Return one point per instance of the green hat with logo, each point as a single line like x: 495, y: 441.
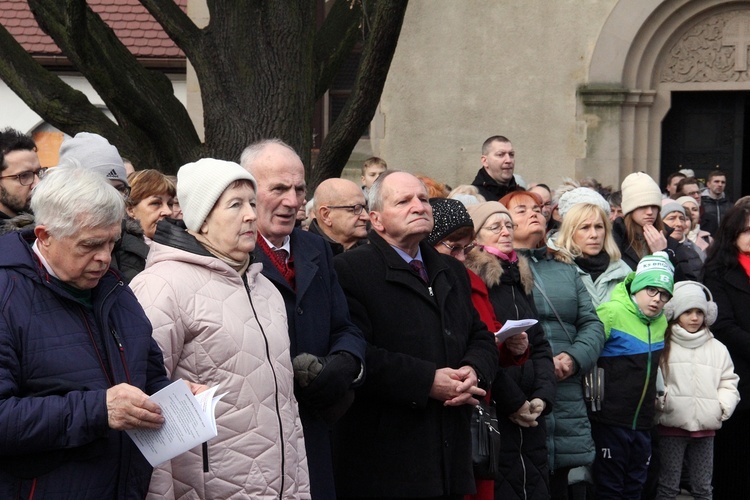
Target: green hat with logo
x: 653, y: 270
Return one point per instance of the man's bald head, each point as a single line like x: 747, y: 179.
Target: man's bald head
x: 337, y: 192
x: 339, y: 208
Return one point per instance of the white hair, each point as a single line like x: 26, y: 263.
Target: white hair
x: 251, y: 153
x: 70, y: 197
x: 375, y: 194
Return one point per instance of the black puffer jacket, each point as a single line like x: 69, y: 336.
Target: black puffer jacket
x: 524, y: 467
x: 680, y: 255
x: 131, y: 250
x: 491, y: 189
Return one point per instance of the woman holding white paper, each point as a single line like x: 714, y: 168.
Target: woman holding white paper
x: 218, y: 321
x: 527, y: 391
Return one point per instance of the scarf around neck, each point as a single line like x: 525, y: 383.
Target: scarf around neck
x: 510, y: 257
x: 745, y: 263
x: 689, y: 340
x: 239, y: 266
x: 595, y: 265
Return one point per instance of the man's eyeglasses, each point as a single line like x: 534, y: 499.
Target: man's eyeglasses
x: 122, y: 188
x: 455, y: 249
x: 653, y: 292
x: 354, y: 209
x: 497, y: 228
x: 26, y: 178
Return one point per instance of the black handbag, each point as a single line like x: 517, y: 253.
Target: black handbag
x: 485, y: 441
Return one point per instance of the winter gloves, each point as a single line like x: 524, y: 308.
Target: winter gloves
x: 324, y: 383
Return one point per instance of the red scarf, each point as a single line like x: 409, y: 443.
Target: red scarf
x: 285, y: 266
x: 745, y: 263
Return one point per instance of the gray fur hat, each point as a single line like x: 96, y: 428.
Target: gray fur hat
x: 691, y: 295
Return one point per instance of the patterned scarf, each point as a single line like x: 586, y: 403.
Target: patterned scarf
x: 284, y: 265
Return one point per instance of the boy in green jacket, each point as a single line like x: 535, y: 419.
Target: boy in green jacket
x: 634, y: 326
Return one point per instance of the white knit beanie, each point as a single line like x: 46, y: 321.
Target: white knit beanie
x: 201, y: 184
x: 94, y: 152
x: 581, y: 195
x: 687, y: 199
x: 639, y: 190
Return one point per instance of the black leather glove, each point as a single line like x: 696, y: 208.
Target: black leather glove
x: 322, y: 382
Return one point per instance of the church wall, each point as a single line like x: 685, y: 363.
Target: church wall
x: 464, y: 71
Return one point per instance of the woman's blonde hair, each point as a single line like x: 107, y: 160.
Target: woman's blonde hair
x: 573, y: 220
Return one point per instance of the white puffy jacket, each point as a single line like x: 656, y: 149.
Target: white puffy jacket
x: 215, y: 331
x: 700, y: 385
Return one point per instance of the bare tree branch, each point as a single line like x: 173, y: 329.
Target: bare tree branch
x: 377, y: 54
x: 177, y: 25
x: 130, y: 91
x: 334, y: 42
x: 50, y: 97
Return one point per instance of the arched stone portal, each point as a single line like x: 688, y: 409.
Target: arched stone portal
x: 643, y: 54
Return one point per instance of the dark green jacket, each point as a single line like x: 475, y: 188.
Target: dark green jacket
x: 568, y: 431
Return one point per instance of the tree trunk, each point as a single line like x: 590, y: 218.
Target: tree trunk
x: 261, y: 65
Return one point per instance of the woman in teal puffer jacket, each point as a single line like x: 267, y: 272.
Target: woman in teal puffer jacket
x: 573, y: 330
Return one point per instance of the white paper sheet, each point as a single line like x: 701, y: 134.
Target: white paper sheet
x: 188, y: 421
x: 514, y: 327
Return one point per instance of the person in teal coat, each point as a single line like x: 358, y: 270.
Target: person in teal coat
x: 575, y: 333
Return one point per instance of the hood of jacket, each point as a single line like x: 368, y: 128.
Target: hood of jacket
x: 490, y: 269
x: 17, y: 223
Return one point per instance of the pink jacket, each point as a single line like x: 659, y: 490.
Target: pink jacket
x: 215, y: 331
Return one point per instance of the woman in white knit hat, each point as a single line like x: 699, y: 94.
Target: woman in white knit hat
x: 219, y: 321
x: 640, y: 231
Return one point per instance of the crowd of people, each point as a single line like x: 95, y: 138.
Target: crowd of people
x: 353, y: 333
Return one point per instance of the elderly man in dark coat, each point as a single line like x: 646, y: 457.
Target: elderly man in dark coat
x: 428, y: 353
x: 300, y: 265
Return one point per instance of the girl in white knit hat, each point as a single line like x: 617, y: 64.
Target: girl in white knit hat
x: 700, y: 391
x: 640, y: 231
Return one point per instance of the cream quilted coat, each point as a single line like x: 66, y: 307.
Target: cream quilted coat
x: 211, y: 333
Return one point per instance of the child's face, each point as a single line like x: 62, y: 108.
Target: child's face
x: 651, y: 300
x: 691, y: 320
x: 371, y: 175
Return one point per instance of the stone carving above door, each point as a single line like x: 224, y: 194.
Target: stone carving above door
x: 715, y: 50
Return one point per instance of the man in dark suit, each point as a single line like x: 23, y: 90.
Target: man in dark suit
x: 322, y: 335
x: 407, y: 433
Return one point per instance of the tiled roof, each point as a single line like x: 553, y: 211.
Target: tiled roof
x: 130, y: 20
